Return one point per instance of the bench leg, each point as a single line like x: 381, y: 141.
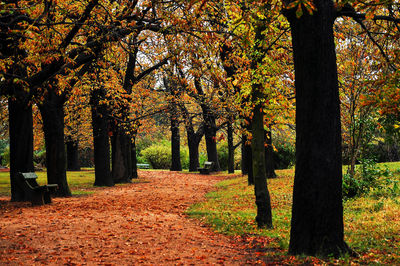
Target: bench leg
x: 37, y: 199
x: 46, y: 197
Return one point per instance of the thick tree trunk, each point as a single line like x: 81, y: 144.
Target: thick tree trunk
x: 193, y: 144
x: 52, y: 111
x: 73, y: 156
x: 101, y: 143
x: 269, y: 155
x: 121, y: 157
x: 134, y: 159
x: 210, y: 135
x: 231, y: 150
x: 21, y: 143
x: 263, y: 201
x: 317, y: 213
x: 175, y: 144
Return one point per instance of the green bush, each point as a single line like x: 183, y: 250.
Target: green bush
x: 370, y: 179
x: 5, y: 156
x: 39, y: 157
x: 158, y: 155
x: 284, y: 156
x: 185, y: 157
x: 223, y: 155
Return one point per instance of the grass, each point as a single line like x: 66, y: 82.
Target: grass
x: 80, y: 182
x: 372, y: 224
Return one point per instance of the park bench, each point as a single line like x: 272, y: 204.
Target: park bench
x: 143, y: 165
x: 207, y: 168
x: 37, y: 195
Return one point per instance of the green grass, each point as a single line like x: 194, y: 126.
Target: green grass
x: 372, y: 224
x: 80, y: 182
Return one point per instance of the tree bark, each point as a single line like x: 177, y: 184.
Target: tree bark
x: 317, y: 212
x: 210, y: 134
x: 210, y: 128
x: 193, y: 144
x: 269, y: 155
x: 175, y: 143
x: 101, y: 143
x: 231, y: 150
x: 121, y: 156
x: 263, y: 201
x: 73, y: 156
x: 134, y: 159
x: 21, y: 143
x: 247, y: 160
x: 52, y: 111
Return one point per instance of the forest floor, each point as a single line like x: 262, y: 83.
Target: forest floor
x: 130, y: 224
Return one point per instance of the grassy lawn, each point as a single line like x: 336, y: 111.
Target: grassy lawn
x: 372, y: 224
x: 80, y: 182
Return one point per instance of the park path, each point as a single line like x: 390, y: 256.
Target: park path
x: 142, y: 223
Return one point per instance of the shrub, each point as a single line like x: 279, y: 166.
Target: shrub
x: 370, y: 178
x: 223, y: 155
x: 39, y: 157
x: 158, y: 155
x: 284, y: 156
x: 185, y: 157
x: 5, y: 156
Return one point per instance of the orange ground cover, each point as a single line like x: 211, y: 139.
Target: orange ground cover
x: 123, y: 225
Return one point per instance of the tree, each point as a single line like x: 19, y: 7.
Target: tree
x: 317, y: 212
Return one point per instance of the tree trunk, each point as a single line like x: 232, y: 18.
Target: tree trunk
x: 121, y: 157
x: 193, y: 144
x: 269, y: 155
x: 21, y: 143
x: 52, y: 111
x: 72, y: 156
x: 101, y: 141
x: 317, y: 212
x: 210, y: 128
x: 263, y: 201
x: 247, y: 160
x: 175, y: 144
x: 210, y: 135
x: 231, y: 150
x: 134, y: 159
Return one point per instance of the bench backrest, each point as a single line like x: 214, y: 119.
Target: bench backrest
x: 208, y: 165
x: 27, y: 180
x: 29, y: 175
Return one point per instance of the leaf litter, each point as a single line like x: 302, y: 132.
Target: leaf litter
x: 142, y: 223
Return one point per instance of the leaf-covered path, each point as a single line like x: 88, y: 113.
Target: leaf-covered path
x: 131, y: 224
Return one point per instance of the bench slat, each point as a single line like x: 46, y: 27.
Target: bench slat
x: 29, y: 175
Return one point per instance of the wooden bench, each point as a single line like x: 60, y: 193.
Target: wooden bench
x: 37, y: 195
x: 207, y: 168
x: 143, y: 165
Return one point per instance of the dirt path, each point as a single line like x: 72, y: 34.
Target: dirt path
x: 138, y: 223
